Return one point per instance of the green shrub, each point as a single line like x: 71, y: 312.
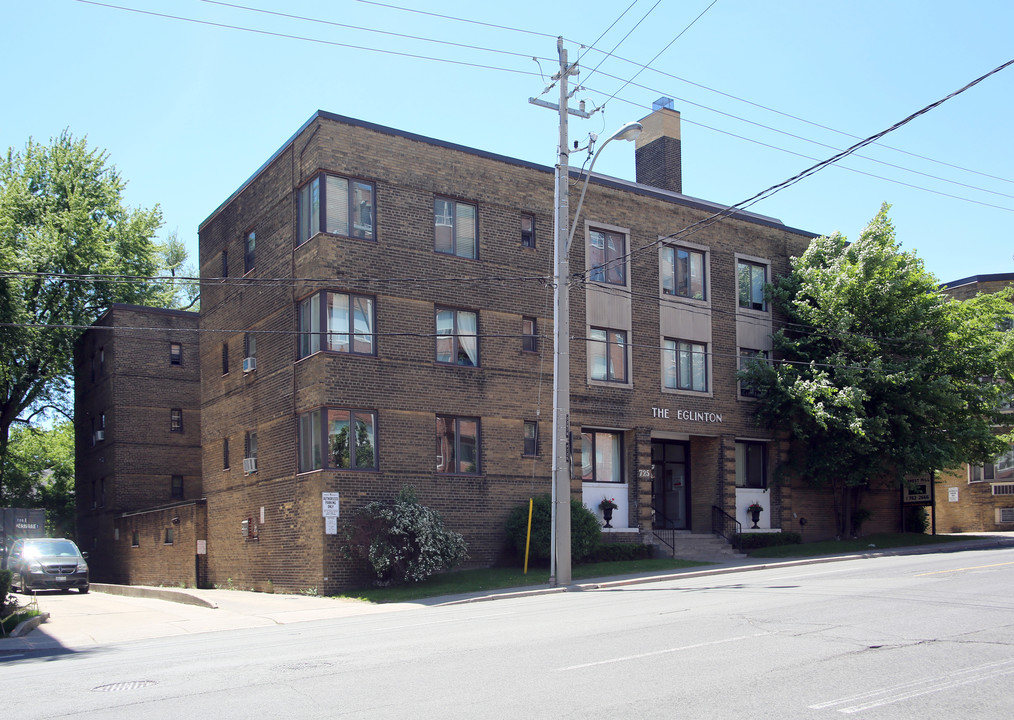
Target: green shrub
x: 755, y: 541
x: 916, y: 520
x: 402, y: 541
x: 585, y: 530
x: 620, y: 552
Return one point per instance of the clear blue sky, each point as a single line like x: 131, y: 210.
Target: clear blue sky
x: 188, y: 111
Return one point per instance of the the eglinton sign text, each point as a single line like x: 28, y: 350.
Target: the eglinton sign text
x: 688, y: 415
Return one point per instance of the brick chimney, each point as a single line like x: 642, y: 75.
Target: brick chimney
x: 657, y: 156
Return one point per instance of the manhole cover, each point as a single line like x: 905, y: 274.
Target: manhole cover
x: 132, y: 685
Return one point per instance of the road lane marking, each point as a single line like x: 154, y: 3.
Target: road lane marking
x: 655, y: 653
x: 916, y: 688
x: 974, y: 567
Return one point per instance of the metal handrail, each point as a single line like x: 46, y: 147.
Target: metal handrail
x: 665, y: 534
x: 725, y: 525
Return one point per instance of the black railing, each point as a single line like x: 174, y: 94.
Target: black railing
x: 662, y: 529
x: 725, y: 525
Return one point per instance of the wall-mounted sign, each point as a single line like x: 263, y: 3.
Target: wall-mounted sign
x: 686, y: 415
x: 952, y: 494
x: 916, y: 493
x: 646, y: 473
x: 329, y: 501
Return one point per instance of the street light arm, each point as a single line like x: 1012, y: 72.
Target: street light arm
x: 630, y: 131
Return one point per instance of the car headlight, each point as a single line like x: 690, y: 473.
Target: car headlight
x: 35, y: 566
x: 82, y: 567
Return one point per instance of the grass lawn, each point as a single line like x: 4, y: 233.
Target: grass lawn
x: 469, y: 581
x: 880, y: 541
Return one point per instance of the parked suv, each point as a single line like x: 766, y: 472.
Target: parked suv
x: 47, y: 564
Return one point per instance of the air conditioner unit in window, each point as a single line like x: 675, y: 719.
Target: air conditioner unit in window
x: 100, y: 435
x: 250, y: 465
x: 249, y: 364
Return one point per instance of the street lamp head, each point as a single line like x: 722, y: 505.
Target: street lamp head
x: 629, y: 131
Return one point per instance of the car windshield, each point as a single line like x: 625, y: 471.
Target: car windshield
x: 51, y: 548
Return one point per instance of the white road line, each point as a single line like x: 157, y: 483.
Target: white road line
x: 660, y: 652
x: 915, y: 688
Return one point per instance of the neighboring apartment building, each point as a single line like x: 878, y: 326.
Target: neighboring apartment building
x: 977, y: 498
x: 140, y: 501
x: 376, y: 313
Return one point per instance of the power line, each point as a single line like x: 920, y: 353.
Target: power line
x: 768, y: 192
x: 624, y: 38
x: 307, y: 39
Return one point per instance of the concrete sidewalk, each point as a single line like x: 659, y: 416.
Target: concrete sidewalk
x: 120, y: 613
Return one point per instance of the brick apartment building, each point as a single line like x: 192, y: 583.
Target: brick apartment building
x: 977, y: 498
x: 376, y: 312
x: 140, y: 501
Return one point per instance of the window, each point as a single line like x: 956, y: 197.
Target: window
x: 225, y: 453
x: 250, y: 452
x: 168, y: 536
x: 175, y: 353
x: 686, y: 365
x: 102, y: 492
x: 225, y: 358
x: 528, y: 231
x: 606, y: 257
x: 746, y: 357
x: 457, y: 445
x: 1002, y: 468
x: 102, y: 362
x: 176, y: 487
x: 607, y: 351
x: 529, y: 335
x: 751, y: 465
x: 225, y: 264
x: 683, y: 272
x: 1007, y: 489
x: 249, y: 245
x: 601, y: 456
x: 349, y: 437
x: 531, y: 448
x: 249, y: 345
x: 336, y: 322
x: 135, y: 539
x: 455, y: 228
x: 336, y: 205
x: 457, y: 337
x: 176, y: 420
x: 752, y: 278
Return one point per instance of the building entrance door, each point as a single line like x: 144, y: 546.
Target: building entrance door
x: 670, y: 460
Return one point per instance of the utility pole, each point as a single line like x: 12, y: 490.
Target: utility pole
x: 560, y: 562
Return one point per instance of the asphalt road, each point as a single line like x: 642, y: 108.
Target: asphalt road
x: 925, y: 636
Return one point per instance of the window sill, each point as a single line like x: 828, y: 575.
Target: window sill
x: 688, y: 393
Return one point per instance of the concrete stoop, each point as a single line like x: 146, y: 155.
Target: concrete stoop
x: 697, y: 546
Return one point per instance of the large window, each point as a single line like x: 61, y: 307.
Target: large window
x: 457, y: 337
x: 176, y: 420
x: 528, y: 231
x: 607, y: 257
x: 601, y: 456
x: 250, y: 453
x: 335, y: 205
x: 607, y: 352
x: 1001, y: 469
x: 531, y: 446
x: 455, y: 228
x: 752, y: 278
x: 176, y: 487
x: 457, y: 445
x: 337, y: 439
x: 686, y: 365
x: 751, y: 465
x: 337, y: 322
x: 746, y: 358
x: 683, y: 272
x: 175, y: 353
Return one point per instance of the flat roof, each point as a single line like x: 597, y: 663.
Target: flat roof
x: 992, y: 277
x: 606, y: 180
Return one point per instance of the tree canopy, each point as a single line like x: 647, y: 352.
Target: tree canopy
x: 64, y: 228
x: 39, y: 471
x: 878, y: 374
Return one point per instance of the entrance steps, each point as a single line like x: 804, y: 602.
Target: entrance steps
x: 694, y: 546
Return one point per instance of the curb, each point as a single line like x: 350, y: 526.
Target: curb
x: 26, y: 626
x: 143, y: 591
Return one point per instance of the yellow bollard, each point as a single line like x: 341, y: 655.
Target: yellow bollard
x: 528, y: 539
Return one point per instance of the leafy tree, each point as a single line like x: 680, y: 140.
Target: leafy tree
x: 39, y: 468
x: 63, y: 225
x: 402, y: 541
x: 880, y: 375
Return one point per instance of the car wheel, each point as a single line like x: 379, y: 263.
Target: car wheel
x: 25, y: 590
x: 83, y: 590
